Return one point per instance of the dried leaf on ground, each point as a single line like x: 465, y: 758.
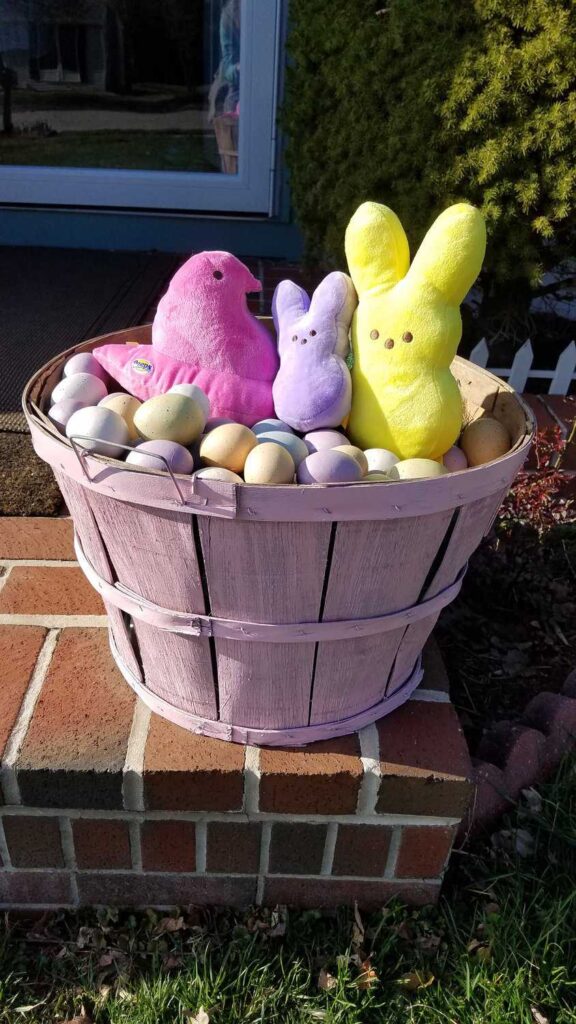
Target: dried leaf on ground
x: 414, y: 980
x: 481, y: 950
x: 326, y: 981
x: 199, y: 1018
x: 357, y: 930
x: 169, y: 924
x: 538, y: 1017
x: 367, y: 977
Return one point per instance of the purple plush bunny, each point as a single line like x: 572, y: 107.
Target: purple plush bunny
x: 313, y: 388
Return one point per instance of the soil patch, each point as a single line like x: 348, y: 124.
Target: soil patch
x: 27, y: 485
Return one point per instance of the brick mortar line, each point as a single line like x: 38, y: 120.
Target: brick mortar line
x: 236, y: 817
x: 219, y: 876
x: 329, y: 848
x: 132, y: 773
x: 69, y: 852
x: 135, y: 845
x: 4, y: 851
x: 54, y: 621
x: 22, y: 723
x: 40, y: 563
x: 252, y: 777
x: 4, y: 576
x: 201, y: 834
x: 370, y: 757
x: 264, y: 864
x: 430, y: 696
x: 393, y: 852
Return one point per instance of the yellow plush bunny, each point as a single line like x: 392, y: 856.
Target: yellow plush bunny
x: 407, y: 326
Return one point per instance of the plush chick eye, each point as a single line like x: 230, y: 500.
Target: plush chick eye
x: 218, y: 275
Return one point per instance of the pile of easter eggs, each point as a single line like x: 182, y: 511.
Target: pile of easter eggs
x: 174, y: 433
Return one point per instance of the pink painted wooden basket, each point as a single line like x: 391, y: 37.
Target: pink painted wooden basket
x: 274, y: 615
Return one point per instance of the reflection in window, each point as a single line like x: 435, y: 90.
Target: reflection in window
x: 141, y: 84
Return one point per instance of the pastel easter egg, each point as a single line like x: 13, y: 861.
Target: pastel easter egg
x: 375, y: 476
x: 84, y: 362
x: 329, y: 466
x: 483, y: 440
x: 269, y: 463
x: 176, y: 455
x: 193, y: 391
x: 454, y: 459
x: 356, y: 453
x: 95, y: 422
x: 126, y: 406
x: 216, y: 421
x: 80, y: 387
x: 228, y: 446
x: 416, y: 469
x: 291, y: 442
x: 218, y: 473
x: 264, y: 426
x: 319, y: 440
x: 169, y: 418
x: 61, y: 412
x: 380, y: 459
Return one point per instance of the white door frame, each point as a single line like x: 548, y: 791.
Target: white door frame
x: 249, y: 191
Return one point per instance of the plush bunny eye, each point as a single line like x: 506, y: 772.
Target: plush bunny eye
x: 294, y: 337
x: 304, y: 341
x: 312, y: 334
x: 407, y: 336
x: 218, y: 275
x: 389, y: 343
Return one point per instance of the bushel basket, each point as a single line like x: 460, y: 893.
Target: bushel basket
x: 274, y: 615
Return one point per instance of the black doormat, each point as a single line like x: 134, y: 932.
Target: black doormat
x: 51, y: 299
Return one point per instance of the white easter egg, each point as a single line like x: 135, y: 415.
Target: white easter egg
x: 357, y: 454
x: 218, y: 473
x: 96, y: 422
x: 269, y: 463
x: 380, y: 459
x: 84, y: 362
x: 416, y: 469
x: 291, y: 442
x: 61, y: 412
x: 126, y: 406
x: 169, y: 418
x: 227, y: 446
x: 80, y: 387
x: 263, y: 426
x: 193, y: 391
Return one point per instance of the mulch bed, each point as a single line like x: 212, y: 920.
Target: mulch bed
x: 27, y: 484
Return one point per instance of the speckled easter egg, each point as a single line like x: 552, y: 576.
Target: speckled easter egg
x: 483, y: 440
x: 228, y: 446
x: 357, y: 454
x: 216, y: 421
x: 193, y: 391
x: 269, y: 463
x: 62, y: 411
x: 320, y: 440
x: 80, y: 387
x: 291, y: 442
x: 84, y: 362
x: 264, y: 426
x: 329, y: 467
x: 454, y: 459
x: 169, y: 418
x: 126, y: 406
x: 218, y: 473
x: 380, y: 459
x: 176, y: 455
x: 416, y: 469
x: 375, y: 476
x: 96, y: 422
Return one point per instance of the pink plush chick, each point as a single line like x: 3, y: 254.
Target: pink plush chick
x: 204, y: 334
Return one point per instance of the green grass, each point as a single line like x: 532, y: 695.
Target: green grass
x: 141, y: 150
x: 499, y: 948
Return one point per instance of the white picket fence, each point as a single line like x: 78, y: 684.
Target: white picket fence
x: 521, y: 370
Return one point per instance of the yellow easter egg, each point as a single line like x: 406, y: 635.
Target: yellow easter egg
x: 218, y: 473
x: 126, y: 407
x: 269, y: 463
x: 375, y: 476
x: 228, y: 446
x: 356, y: 453
x: 169, y: 417
x: 483, y: 440
x: 416, y: 469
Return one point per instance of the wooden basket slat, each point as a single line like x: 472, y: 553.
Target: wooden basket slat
x: 264, y: 572
x: 376, y: 567
x: 178, y: 669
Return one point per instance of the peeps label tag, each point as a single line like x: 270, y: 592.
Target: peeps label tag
x: 142, y: 366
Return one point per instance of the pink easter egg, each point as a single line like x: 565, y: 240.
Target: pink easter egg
x: 176, y: 455
x: 84, y: 362
x: 328, y: 467
x: 80, y: 387
x: 455, y: 459
x: 320, y: 440
x: 61, y: 412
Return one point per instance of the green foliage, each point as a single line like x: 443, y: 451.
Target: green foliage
x: 421, y: 103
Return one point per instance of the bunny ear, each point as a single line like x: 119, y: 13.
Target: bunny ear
x: 335, y: 297
x: 289, y: 303
x: 376, y: 247
x: 450, y: 257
